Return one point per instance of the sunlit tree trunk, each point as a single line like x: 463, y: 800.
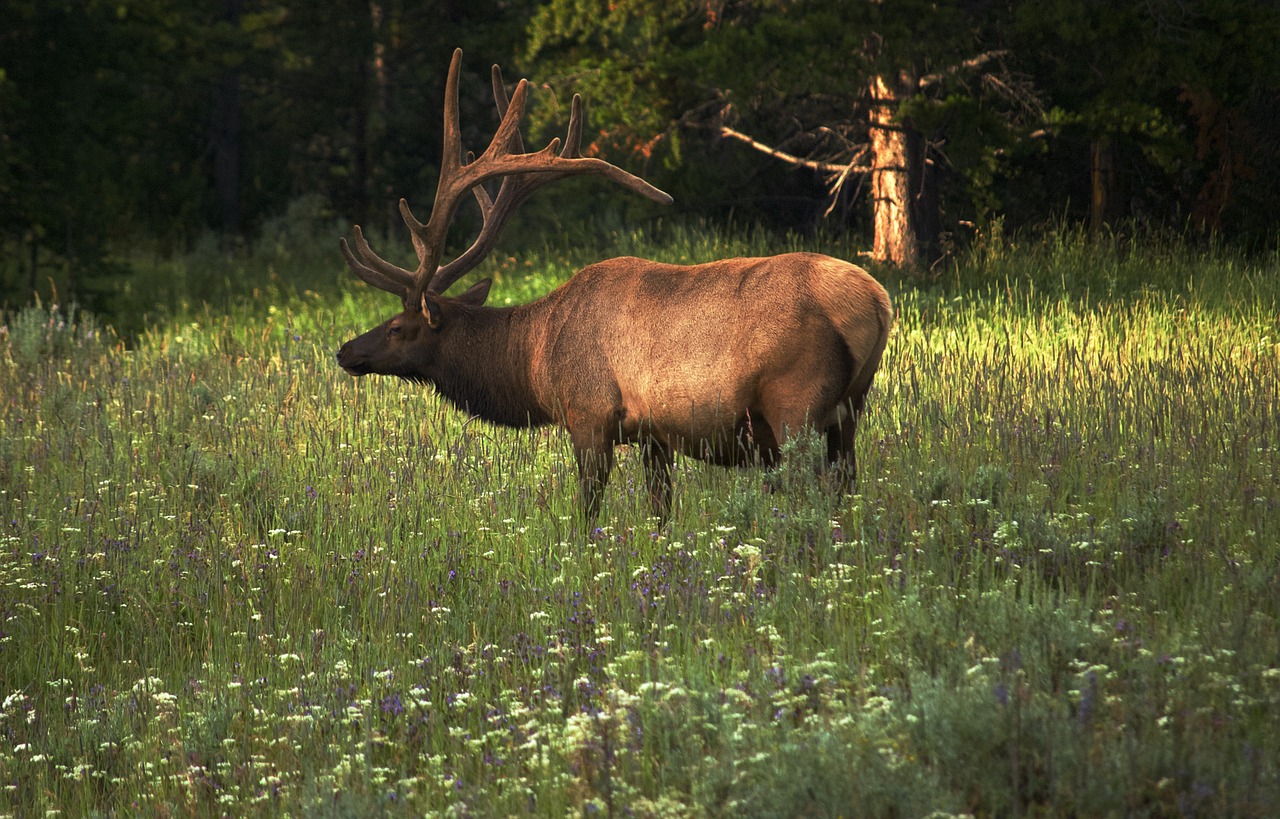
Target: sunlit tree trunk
x: 897, y: 240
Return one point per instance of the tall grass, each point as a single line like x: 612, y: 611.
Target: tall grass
x: 235, y: 581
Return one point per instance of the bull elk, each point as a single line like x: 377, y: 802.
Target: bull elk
x: 721, y: 361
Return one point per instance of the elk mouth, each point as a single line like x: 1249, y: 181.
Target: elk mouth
x: 356, y: 368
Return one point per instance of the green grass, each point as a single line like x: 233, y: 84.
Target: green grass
x: 234, y: 580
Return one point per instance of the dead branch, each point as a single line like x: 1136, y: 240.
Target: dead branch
x: 813, y: 164
x: 971, y: 64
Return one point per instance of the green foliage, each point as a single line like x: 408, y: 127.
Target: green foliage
x: 623, y: 58
x: 235, y: 580
x: 36, y: 335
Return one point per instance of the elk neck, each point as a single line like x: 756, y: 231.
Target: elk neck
x: 484, y: 367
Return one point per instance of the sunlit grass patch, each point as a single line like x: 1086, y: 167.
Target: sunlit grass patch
x: 234, y: 580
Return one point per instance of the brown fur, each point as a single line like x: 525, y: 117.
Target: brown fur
x: 720, y: 361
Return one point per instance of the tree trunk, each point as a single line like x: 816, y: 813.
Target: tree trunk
x: 896, y: 239
x: 1101, y: 181
x: 360, y: 158
x: 35, y: 263
x: 926, y: 204
x: 385, y: 42
x: 226, y: 137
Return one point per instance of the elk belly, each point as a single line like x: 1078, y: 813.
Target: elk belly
x: 746, y: 441
x: 716, y: 432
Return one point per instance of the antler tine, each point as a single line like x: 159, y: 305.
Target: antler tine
x: 373, y: 269
x: 573, y: 137
x: 418, y: 232
x: 500, y: 100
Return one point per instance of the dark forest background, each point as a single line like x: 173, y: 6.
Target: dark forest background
x: 137, y: 130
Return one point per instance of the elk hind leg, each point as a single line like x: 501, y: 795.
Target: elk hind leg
x: 841, y: 457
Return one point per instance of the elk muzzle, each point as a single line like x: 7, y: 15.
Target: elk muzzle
x: 350, y: 359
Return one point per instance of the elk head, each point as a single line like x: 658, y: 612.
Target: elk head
x: 405, y: 345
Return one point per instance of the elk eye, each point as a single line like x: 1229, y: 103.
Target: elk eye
x: 394, y: 330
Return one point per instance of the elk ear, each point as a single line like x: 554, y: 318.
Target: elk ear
x: 431, y: 311
x: 476, y: 293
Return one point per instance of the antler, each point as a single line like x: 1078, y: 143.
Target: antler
x: 522, y: 174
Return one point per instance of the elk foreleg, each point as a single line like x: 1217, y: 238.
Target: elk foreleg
x: 657, y: 474
x: 595, y: 462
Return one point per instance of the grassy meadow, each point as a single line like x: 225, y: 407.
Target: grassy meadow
x: 235, y: 581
